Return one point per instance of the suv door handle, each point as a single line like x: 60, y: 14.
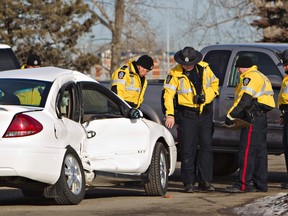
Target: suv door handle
x: 230, y: 98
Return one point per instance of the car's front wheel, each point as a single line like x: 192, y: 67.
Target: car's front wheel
x: 157, y: 183
x: 71, y: 184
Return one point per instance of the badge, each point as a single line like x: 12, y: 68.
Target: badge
x: 121, y: 74
x: 246, y: 81
x: 169, y: 77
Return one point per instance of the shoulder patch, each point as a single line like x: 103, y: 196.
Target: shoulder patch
x: 121, y: 74
x: 169, y: 77
x: 246, y: 81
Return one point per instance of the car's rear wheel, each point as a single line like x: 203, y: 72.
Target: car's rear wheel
x: 157, y: 183
x: 71, y: 184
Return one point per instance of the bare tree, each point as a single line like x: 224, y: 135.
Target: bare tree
x: 219, y: 21
x: 129, y: 27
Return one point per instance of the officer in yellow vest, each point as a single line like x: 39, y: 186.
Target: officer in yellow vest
x: 129, y: 81
x: 191, y: 86
x: 31, y: 96
x: 283, y: 107
x: 253, y: 99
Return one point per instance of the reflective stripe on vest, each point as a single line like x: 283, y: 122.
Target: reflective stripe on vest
x: 285, y: 90
x: 118, y: 81
x: 182, y: 89
x: 262, y: 92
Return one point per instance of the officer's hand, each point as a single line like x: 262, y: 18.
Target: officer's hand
x: 228, y: 121
x: 170, y: 121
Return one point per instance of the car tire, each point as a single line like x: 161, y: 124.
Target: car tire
x: 157, y: 183
x: 71, y: 184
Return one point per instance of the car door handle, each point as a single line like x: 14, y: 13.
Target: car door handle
x: 91, y: 134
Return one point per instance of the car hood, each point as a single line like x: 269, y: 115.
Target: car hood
x: 7, y: 112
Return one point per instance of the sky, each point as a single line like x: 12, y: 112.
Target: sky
x: 162, y: 19
x: 171, y: 29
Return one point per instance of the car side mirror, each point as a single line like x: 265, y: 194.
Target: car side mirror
x: 276, y: 81
x: 135, y: 113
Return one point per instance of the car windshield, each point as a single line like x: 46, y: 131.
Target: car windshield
x: 24, y: 92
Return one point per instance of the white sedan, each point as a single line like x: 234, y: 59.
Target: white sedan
x: 61, y: 131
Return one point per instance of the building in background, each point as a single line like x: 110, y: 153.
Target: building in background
x: 160, y: 70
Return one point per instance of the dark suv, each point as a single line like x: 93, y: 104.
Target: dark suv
x: 222, y: 58
x: 8, y: 60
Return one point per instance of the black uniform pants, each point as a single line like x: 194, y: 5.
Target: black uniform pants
x: 285, y: 139
x: 253, y: 168
x: 196, y: 130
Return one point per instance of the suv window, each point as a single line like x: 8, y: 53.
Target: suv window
x: 8, y: 60
x: 262, y: 60
x: 218, y: 61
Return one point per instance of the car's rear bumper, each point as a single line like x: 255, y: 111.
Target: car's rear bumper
x: 41, y: 164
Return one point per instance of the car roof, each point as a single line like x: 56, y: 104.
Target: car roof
x: 276, y: 47
x: 43, y: 73
x: 4, y: 46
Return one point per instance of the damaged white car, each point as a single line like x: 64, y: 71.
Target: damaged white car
x: 61, y: 131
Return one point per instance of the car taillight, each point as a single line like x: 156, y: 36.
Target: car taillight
x: 23, y: 125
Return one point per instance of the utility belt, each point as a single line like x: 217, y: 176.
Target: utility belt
x: 258, y: 113
x: 190, y: 112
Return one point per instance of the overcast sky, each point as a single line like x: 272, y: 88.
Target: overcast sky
x: 170, y: 28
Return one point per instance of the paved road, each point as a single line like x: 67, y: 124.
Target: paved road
x: 132, y: 200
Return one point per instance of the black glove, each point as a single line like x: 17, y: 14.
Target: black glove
x: 199, y: 99
x: 228, y: 121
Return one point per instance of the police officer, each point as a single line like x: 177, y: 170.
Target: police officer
x: 191, y: 86
x: 283, y: 107
x: 253, y: 99
x: 33, y: 61
x: 129, y: 81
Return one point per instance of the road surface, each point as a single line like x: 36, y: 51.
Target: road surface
x: 131, y: 200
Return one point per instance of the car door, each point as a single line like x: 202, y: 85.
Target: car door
x: 117, y: 143
x: 68, y: 110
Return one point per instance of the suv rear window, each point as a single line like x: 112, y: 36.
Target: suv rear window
x: 8, y: 60
x: 218, y: 61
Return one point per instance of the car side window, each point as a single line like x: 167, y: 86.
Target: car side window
x: 218, y: 61
x: 98, y: 105
x: 67, y: 103
x: 263, y: 61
